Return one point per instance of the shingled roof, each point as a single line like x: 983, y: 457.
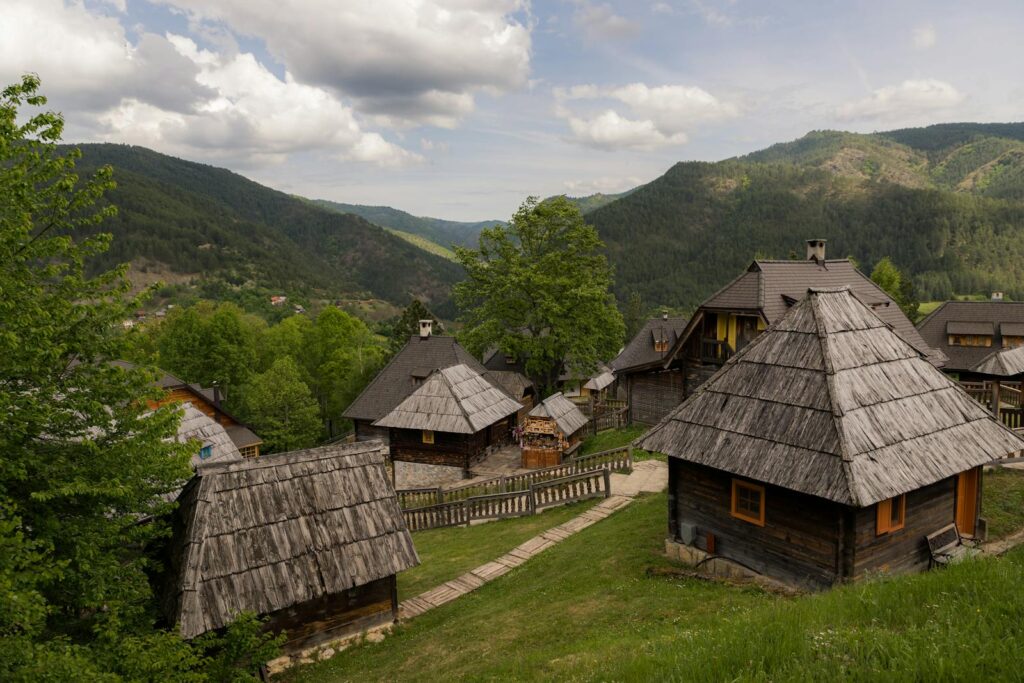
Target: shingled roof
x: 417, y: 359
x: 564, y: 412
x: 267, y: 533
x: 639, y: 351
x: 1002, y: 363
x: 996, y: 318
x: 197, y: 425
x: 455, y: 399
x: 771, y: 287
x: 830, y: 402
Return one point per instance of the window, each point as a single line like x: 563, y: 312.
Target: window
x: 748, y: 502
x: 1010, y: 342
x: 249, y: 451
x: 890, y: 515
x: 205, y: 452
x: 428, y: 436
x: 970, y: 340
x: 661, y: 345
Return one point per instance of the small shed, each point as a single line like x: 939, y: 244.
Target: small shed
x: 451, y: 420
x: 552, y: 429
x: 827, y: 449
x: 311, y: 539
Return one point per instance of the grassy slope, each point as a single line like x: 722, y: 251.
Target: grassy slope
x: 1003, y: 501
x: 590, y: 608
x: 447, y: 553
x: 424, y: 244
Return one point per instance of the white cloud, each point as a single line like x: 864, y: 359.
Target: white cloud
x: 411, y: 62
x: 661, y: 115
x: 909, y: 98
x: 165, y: 92
x: 600, y: 22
x: 924, y: 37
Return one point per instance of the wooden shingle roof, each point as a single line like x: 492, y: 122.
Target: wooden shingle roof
x: 829, y: 401
x: 1006, y: 317
x: 455, y: 399
x: 564, y: 412
x: 400, y: 377
x: 197, y: 425
x: 267, y: 533
x: 1002, y: 363
x: 639, y: 351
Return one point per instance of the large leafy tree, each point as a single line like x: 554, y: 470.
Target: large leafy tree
x: 897, y: 285
x: 83, y: 460
x: 540, y: 289
x: 280, y: 407
x: 210, y: 344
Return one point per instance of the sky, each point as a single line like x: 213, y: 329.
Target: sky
x: 460, y: 109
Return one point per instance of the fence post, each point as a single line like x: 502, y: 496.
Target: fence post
x: 440, y: 495
x: 607, y: 482
x: 531, y: 501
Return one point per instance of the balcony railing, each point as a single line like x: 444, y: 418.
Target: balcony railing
x: 714, y: 350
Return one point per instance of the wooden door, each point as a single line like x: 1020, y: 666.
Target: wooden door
x: 967, y: 501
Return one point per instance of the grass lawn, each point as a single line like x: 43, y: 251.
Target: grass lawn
x: 591, y: 608
x: 448, y: 553
x: 1002, y: 501
x: 613, y: 438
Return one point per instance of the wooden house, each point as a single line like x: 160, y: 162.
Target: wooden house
x: 736, y: 314
x: 826, y: 449
x: 969, y: 331
x: 215, y: 445
x: 311, y: 539
x: 552, y: 429
x: 408, y: 370
x: 208, y: 402
x: 651, y: 389
x: 452, y: 420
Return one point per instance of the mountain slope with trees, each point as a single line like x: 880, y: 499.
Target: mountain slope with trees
x: 439, y: 231
x: 229, y: 233
x: 928, y: 199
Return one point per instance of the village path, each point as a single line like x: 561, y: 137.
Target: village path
x: 648, y: 476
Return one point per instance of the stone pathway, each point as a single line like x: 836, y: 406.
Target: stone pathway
x: 647, y: 476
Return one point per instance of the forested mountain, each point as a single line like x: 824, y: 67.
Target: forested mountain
x: 230, y: 235
x: 439, y: 231
x: 594, y: 201
x: 946, y: 203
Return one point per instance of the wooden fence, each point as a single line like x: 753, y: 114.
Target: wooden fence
x: 611, y: 460
x: 1011, y: 413
x: 575, y: 487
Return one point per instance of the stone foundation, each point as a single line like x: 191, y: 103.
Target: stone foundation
x: 414, y: 475
x: 719, y: 567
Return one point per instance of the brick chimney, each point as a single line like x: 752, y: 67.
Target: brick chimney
x: 426, y: 327
x: 816, y: 250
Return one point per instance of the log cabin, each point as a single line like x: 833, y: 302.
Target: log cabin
x: 969, y: 331
x: 451, y: 421
x: 312, y: 540
x: 553, y: 429
x: 825, y: 450
x: 422, y: 354
x: 208, y: 401
x: 651, y: 389
x: 735, y: 315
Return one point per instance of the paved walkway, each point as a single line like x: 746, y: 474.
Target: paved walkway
x: 647, y: 476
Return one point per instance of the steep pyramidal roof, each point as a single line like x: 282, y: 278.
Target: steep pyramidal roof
x: 266, y: 533
x: 564, y: 412
x: 456, y: 399
x: 829, y: 401
x: 1002, y: 363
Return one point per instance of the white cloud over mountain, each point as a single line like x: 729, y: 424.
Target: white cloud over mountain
x: 896, y: 102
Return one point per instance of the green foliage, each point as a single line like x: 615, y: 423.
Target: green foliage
x: 634, y: 316
x: 887, y: 276
x: 539, y: 289
x: 440, y: 232
x: 84, y: 459
x: 408, y: 325
x: 279, y: 406
x: 424, y: 244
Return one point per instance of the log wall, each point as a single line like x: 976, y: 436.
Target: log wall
x: 336, y: 616
x: 365, y: 431
x: 452, y: 450
x: 653, y: 394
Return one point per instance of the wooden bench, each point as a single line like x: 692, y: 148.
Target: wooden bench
x: 947, y: 547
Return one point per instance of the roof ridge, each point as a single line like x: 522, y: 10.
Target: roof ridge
x: 830, y: 385
x: 451, y: 388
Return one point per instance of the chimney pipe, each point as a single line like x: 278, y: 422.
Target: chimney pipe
x: 426, y: 327
x: 816, y: 250
x: 664, y: 315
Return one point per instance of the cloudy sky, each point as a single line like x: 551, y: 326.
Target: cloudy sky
x: 461, y: 108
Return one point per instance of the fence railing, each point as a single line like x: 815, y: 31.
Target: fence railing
x: 576, y: 487
x: 611, y: 419
x: 1010, y: 409
x: 613, y: 459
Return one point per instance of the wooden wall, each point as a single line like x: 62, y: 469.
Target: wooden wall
x: 453, y: 450
x: 927, y: 510
x: 365, y: 431
x: 799, y: 542
x: 336, y: 616
x: 651, y: 395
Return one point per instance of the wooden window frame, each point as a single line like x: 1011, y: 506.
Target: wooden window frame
x: 739, y: 514
x: 883, y: 515
x: 427, y: 435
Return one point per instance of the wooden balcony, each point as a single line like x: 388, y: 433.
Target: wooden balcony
x: 714, y: 351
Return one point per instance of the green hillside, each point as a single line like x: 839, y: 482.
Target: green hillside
x: 441, y: 232
x: 424, y: 244
x: 224, y: 235
x: 591, y: 202
x: 946, y: 203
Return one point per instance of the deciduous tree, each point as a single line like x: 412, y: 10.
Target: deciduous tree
x: 280, y: 407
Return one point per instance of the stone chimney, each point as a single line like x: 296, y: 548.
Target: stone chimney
x: 816, y: 250
x: 664, y: 315
x: 426, y: 327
